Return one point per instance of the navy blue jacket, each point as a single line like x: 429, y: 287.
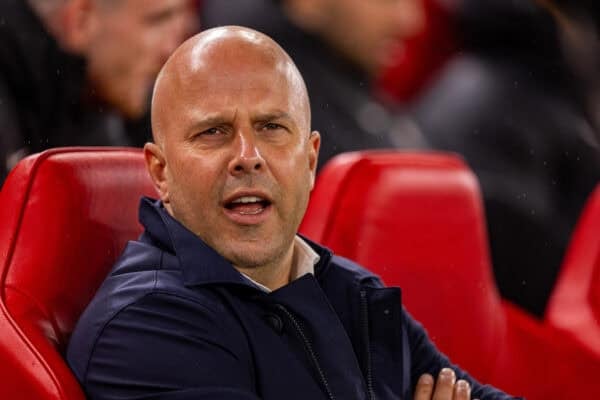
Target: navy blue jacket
x: 174, y: 320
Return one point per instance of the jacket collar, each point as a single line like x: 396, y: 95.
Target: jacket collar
x: 200, y: 263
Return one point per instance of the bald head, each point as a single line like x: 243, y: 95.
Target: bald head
x: 225, y: 57
x: 231, y: 120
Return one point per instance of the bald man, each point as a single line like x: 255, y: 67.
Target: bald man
x: 220, y: 298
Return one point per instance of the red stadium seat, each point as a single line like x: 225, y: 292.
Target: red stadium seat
x: 422, y: 212
x: 66, y: 215
x: 574, y: 306
x: 417, y: 221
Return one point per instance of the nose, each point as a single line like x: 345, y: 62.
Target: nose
x: 246, y: 158
x: 168, y: 43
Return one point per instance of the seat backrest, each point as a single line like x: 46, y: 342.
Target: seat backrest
x: 65, y: 215
x: 574, y: 305
x: 416, y: 219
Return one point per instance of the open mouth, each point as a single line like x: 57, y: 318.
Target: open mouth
x: 248, y: 205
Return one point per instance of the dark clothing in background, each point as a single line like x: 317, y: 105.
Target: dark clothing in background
x: 512, y: 107
x: 175, y: 320
x: 43, y: 93
x: 343, y: 108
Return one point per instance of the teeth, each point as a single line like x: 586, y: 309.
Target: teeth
x: 252, y: 212
x: 247, y: 199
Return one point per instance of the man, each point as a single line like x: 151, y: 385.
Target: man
x: 340, y: 47
x: 520, y: 104
x: 72, y: 72
x: 220, y: 299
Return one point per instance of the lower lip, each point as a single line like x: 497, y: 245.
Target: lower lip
x: 249, y: 219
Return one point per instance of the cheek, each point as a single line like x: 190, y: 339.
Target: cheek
x: 291, y: 163
x: 189, y: 196
x: 194, y: 176
x: 115, y: 60
x: 298, y: 175
x: 127, y: 47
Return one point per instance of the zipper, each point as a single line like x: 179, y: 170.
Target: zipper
x: 309, y: 350
x: 367, y: 346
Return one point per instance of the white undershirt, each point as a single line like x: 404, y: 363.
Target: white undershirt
x: 303, y: 262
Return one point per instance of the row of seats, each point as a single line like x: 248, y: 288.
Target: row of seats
x: 415, y: 219
x: 575, y: 303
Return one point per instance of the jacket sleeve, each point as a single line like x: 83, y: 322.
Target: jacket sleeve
x: 426, y: 358
x: 535, y: 166
x: 171, y: 348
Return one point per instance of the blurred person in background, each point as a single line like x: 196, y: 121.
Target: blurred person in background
x: 420, y: 58
x: 340, y: 47
x: 80, y: 72
x: 579, y: 32
x: 520, y: 104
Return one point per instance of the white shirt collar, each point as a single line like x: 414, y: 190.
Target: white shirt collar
x: 303, y: 262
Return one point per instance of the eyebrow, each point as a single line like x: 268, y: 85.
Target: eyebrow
x: 164, y: 14
x: 274, y: 115
x: 219, y: 119
x: 211, y: 121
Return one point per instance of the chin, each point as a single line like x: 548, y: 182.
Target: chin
x: 129, y: 102
x: 252, y: 256
x: 248, y: 260
x: 252, y: 253
x: 133, y: 103
x: 134, y: 111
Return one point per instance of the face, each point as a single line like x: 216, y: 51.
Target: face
x: 368, y: 32
x: 235, y: 159
x: 131, y: 41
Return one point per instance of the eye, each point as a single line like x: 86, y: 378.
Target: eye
x: 270, y: 126
x: 214, y: 131
x: 159, y: 17
x: 211, y: 132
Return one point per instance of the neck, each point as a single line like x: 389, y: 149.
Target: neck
x: 273, y: 275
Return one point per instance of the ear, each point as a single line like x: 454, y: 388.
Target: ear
x: 314, y: 143
x: 157, y: 168
x: 79, y: 21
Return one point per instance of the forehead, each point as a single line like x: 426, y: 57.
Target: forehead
x: 223, y: 79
